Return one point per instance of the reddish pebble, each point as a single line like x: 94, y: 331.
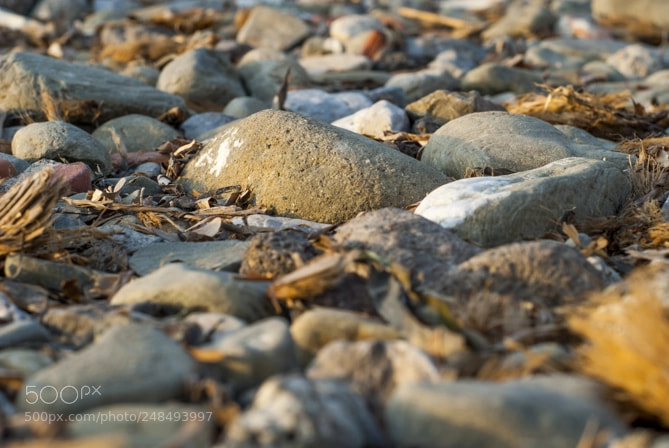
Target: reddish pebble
x: 76, y: 175
x: 7, y: 169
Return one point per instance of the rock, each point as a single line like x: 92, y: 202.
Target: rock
x: 279, y: 223
x: 204, y: 78
x: 243, y: 106
x: 214, y: 255
x: 296, y: 164
x: 479, y: 208
x: 199, y: 124
x: 19, y: 165
x: 62, y: 13
x: 375, y: 120
x: 273, y: 254
x: 459, y: 57
x: 442, y: 106
x: 174, y: 424
x: 374, y: 368
x: 77, y: 176
x: 291, y: 410
x: 638, y: 61
x: 319, y: 46
x: 9, y: 312
x: 254, y: 353
x: 583, y: 49
x: 129, y: 363
x: 393, y: 94
x: 502, y: 140
x: 7, y: 168
x: 22, y: 7
x: 423, y: 82
x: 491, y: 78
x: 481, y: 414
x: 215, y: 326
x: 270, y: 28
x: 26, y: 78
x: 57, y: 140
x: 264, y: 70
x: 326, y: 107
x: 416, y: 243
x: 316, y: 328
x: 23, y: 362
x: 318, y: 65
x: 523, y: 19
x: 132, y: 186
x: 646, y: 18
x: 583, y: 137
x: 144, y: 73
x: 129, y: 240
x: 23, y: 333
x: 541, y: 56
x: 347, y: 27
x: 149, y: 169
x: 136, y: 133
x: 598, y: 70
x: 177, y: 284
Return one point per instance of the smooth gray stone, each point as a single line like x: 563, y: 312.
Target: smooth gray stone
x: 22, y: 332
x: 136, y: 132
x: 214, y: 255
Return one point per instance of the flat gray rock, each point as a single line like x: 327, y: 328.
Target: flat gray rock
x: 503, y: 140
x: 423, y: 82
x: 57, y: 140
x: 129, y: 363
x: 214, y: 255
x: 376, y: 120
x: 26, y: 77
x: 522, y: 19
x: 308, y: 169
x: 177, y: 284
x: 495, y: 210
x: 477, y: 414
x: 136, y: 132
x: 23, y: 332
x: 270, y: 28
x: 491, y: 78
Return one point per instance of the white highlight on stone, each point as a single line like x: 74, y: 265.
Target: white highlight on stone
x: 451, y: 204
x: 215, y: 161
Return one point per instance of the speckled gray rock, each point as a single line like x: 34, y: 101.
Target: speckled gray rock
x: 297, y: 165
x: 503, y: 140
x: 200, y: 124
x: 204, y: 78
x: 215, y: 255
x: 496, y: 210
x: 128, y: 363
x: 326, y: 107
x: 136, y: 132
x: 270, y: 28
x: 57, y: 140
x: 290, y: 411
x: 26, y: 77
x: 442, y: 106
x: 423, y: 82
x: 243, y: 106
x: 254, y: 353
x: 375, y: 120
x: 469, y: 414
x: 180, y: 285
x: 491, y: 78
x: 264, y: 70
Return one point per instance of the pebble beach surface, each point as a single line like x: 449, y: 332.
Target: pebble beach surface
x: 303, y: 223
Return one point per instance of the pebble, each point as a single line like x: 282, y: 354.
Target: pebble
x: 135, y: 133
x: 204, y: 78
x: 637, y: 61
x: 326, y: 107
x: 270, y: 28
x: 23, y: 362
x: 423, y: 82
x: 7, y: 168
x: 133, y: 362
x: 442, y: 106
x: 77, y: 176
x: 375, y: 120
x: 318, y: 65
x: 297, y: 163
x: 478, y: 208
x: 183, y: 286
x: 57, y: 140
x: 199, y: 124
x: 491, y: 78
x: 19, y: 165
x: 345, y: 28
x: 645, y: 19
x: 523, y: 19
x: 243, y: 106
x: 277, y: 253
x: 23, y: 333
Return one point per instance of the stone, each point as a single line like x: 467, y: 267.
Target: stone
x: 484, y: 414
x: 583, y: 137
x: 62, y: 13
x: 128, y: 239
x: 374, y: 368
x: 459, y: 57
x: 23, y: 362
x: 291, y: 410
x: 146, y: 74
x: 637, y: 61
x: 263, y: 71
x: 318, y: 65
x: 146, y: 425
x: 132, y: 187
x: 316, y: 328
x: 326, y: 107
x: 180, y: 285
x: 273, y: 254
x: 204, y: 78
x: 645, y: 18
x: 297, y: 164
x: 598, y: 70
x: 149, y: 169
x: 243, y: 106
x: 495, y: 210
x: 393, y: 94
x: 376, y: 120
x: 422, y: 246
x: 523, y: 19
x: 136, y: 133
x: 57, y: 140
x: 347, y: 27
x: 252, y: 354
x: 23, y: 333
x: 541, y: 56
x: 134, y: 362
x: 19, y: 165
x: 442, y: 106
x: 214, y: 255
x: 270, y: 28
x: 583, y: 49
x: 77, y: 176
x: 199, y: 124
x: 423, y: 82
x: 503, y: 140
x: 491, y: 78
x: 26, y: 78
x: 279, y: 223
x: 9, y: 312
x: 7, y: 168
x: 22, y: 7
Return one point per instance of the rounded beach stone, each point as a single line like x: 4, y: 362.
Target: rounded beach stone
x: 136, y: 132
